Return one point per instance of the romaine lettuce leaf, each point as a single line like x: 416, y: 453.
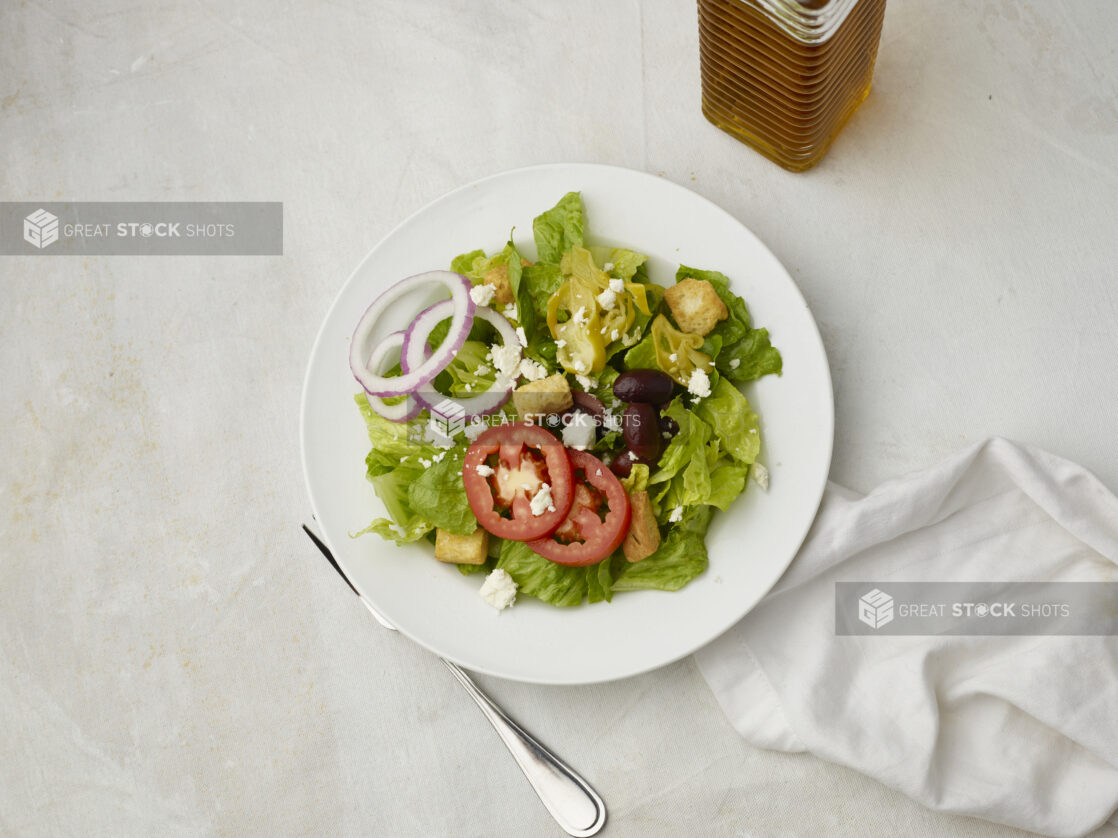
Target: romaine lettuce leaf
x: 750, y: 348
x: 439, y: 496
x: 555, y: 583
x: 559, y: 229
x: 681, y: 557
x: 733, y: 421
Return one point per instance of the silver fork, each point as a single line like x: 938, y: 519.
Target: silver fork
x: 576, y: 807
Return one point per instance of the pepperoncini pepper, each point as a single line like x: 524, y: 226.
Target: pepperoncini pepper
x: 677, y: 353
x: 586, y: 315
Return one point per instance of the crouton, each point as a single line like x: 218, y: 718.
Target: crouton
x: 644, y: 536
x: 498, y: 278
x: 462, y: 549
x: 695, y: 306
x: 547, y: 395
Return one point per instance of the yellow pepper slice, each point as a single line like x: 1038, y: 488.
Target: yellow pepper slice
x: 677, y: 353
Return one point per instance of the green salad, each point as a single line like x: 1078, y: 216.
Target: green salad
x: 563, y: 425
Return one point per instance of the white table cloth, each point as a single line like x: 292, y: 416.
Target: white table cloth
x: 177, y: 661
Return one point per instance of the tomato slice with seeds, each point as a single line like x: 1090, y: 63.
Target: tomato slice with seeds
x: 522, y: 457
x: 586, y: 537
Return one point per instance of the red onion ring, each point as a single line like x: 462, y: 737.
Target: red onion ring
x: 403, y: 411
x: 461, y: 311
x: 415, y: 342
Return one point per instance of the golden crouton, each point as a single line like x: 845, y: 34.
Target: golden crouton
x: 644, y: 536
x: 498, y: 278
x: 547, y: 395
x: 695, y: 305
x: 462, y: 549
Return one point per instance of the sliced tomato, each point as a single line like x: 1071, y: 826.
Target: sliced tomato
x: 523, y: 458
x: 585, y: 537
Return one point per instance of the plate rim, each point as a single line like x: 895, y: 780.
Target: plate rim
x: 318, y: 345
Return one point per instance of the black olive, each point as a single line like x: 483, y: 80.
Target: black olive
x: 650, y: 386
x: 640, y: 428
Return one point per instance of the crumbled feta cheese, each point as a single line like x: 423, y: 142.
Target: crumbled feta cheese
x: 607, y: 299
x: 425, y: 462
x: 542, y: 501
x: 607, y: 267
x: 483, y: 470
x: 579, y: 433
x: 673, y: 357
x: 753, y: 430
x: 532, y: 370
x: 760, y: 476
x: 523, y: 338
x: 510, y: 311
x: 499, y: 589
x: 468, y: 387
x: 482, y: 369
x: 614, y: 335
x: 698, y: 384
x: 438, y: 458
x: 506, y: 359
x: 617, y: 285
x: 482, y: 295
x: 579, y: 317
x: 579, y: 365
x: 735, y: 363
x: 676, y: 516
x: 560, y: 343
x: 586, y: 381
x: 474, y: 430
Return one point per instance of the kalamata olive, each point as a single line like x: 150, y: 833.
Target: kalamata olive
x: 640, y: 428
x: 668, y: 427
x: 589, y: 404
x: 622, y: 464
x: 651, y: 386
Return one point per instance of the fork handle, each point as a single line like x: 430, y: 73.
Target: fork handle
x: 571, y: 801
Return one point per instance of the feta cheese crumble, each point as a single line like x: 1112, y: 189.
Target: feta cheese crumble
x: 673, y: 357
x: 523, y: 338
x: 607, y: 267
x: 579, y: 317
x: 579, y: 432
x: 614, y: 335
x: 510, y: 311
x: 560, y: 343
x: 617, y: 285
x: 474, y: 430
x: 542, y: 501
x: 506, y: 359
x: 699, y: 384
x: 735, y: 363
x: 499, y: 589
x: 482, y: 295
x: 760, y: 476
x: 676, y: 516
x: 586, y: 382
x: 607, y: 299
x: 579, y: 365
x: 483, y: 470
x: 532, y: 370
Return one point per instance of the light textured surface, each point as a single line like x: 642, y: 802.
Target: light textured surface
x: 174, y: 657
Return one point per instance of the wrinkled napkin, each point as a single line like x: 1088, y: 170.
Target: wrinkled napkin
x: 1018, y: 730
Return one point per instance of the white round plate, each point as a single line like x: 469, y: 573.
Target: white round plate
x: 750, y: 544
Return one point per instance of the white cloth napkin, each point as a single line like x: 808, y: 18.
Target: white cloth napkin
x: 1018, y: 730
